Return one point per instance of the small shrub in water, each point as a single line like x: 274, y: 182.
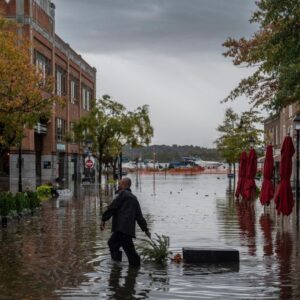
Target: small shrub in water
x: 33, y: 200
x: 7, y: 203
x: 21, y: 202
x: 44, y: 192
x: 156, y: 250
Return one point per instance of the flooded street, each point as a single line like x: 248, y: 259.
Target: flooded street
x: 61, y: 253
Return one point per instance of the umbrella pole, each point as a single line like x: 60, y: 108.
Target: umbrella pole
x: 297, y: 180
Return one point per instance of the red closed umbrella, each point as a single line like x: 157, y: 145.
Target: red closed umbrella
x: 284, y: 196
x: 267, y: 189
x: 242, y: 174
x: 250, y: 186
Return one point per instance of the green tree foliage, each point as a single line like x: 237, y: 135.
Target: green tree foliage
x: 235, y: 133
x: 228, y: 139
x: 274, y: 52
x: 167, y: 153
x: 110, y: 126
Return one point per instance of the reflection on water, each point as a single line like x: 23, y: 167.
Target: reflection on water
x: 246, y: 217
x: 61, y: 253
x: 266, y: 224
x: 121, y: 290
x: 284, y: 249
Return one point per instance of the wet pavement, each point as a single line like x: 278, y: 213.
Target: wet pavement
x: 61, y: 253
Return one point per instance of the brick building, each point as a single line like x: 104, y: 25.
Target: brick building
x: 277, y: 127
x: 46, y: 154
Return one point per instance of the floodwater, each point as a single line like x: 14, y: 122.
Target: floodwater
x: 61, y: 253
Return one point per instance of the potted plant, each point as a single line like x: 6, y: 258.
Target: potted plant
x: 156, y: 250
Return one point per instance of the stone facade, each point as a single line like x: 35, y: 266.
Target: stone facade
x: 47, y: 156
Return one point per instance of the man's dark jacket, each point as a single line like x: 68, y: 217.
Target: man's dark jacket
x: 125, y: 211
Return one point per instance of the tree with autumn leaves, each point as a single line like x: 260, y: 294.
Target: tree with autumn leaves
x: 274, y: 53
x: 26, y: 93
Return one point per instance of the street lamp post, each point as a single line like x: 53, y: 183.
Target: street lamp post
x: 20, y: 184
x: 297, y: 127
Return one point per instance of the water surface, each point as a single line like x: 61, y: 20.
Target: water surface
x: 61, y: 253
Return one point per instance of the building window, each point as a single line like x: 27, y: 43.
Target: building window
x: 60, y: 129
x: 74, y: 90
x: 44, y: 4
x: 86, y: 98
x: 60, y: 81
x: 42, y: 64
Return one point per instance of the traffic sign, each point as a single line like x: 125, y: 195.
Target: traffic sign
x: 89, y: 164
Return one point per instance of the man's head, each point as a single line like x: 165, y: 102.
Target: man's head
x: 125, y: 183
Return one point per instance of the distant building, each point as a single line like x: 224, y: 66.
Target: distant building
x: 277, y: 127
x: 46, y: 155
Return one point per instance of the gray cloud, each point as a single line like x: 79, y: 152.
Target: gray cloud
x: 152, y: 25
x: 165, y: 53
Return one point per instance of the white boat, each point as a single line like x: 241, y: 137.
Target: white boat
x: 202, y: 163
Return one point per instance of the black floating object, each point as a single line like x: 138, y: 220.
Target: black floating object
x: 207, y: 255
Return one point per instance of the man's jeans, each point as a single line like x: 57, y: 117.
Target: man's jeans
x: 118, y: 240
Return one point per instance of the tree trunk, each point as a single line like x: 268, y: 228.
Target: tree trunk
x: 106, y: 180
x: 115, y: 168
x: 100, y: 168
x: 120, y: 166
x: 229, y: 168
x: 234, y: 176
x: 20, y: 185
x: 107, y: 174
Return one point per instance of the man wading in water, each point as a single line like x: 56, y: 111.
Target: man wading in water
x: 125, y: 210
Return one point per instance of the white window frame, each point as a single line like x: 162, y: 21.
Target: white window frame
x: 88, y: 99
x: 59, y: 78
x: 73, y: 91
x: 41, y: 64
x: 60, y: 129
x: 83, y: 95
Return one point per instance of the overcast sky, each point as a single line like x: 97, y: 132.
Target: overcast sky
x: 164, y: 53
